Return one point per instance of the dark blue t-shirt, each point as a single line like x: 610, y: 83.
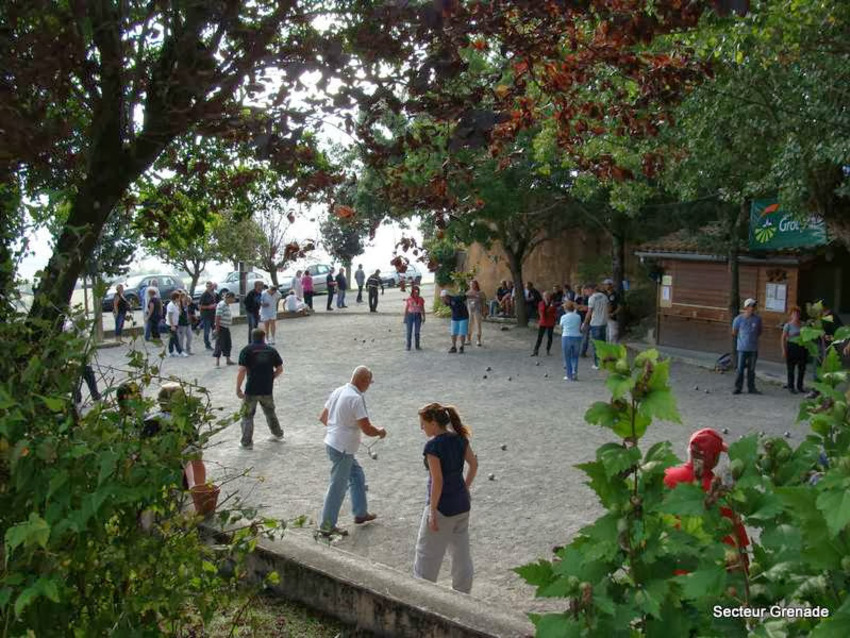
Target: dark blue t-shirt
x: 458, y: 305
x: 450, y: 449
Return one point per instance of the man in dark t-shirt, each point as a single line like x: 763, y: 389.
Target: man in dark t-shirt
x: 207, y: 303
x: 262, y: 365
x: 460, y: 318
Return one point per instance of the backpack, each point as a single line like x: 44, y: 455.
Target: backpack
x: 724, y: 363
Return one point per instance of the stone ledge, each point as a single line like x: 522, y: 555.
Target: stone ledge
x: 375, y: 598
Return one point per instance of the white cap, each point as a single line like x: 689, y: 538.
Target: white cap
x: 444, y: 292
x: 749, y: 302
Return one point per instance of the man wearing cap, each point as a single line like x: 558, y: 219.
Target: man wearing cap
x: 746, y: 328
x: 704, y: 450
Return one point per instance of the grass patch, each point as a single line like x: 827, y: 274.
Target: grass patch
x: 266, y: 616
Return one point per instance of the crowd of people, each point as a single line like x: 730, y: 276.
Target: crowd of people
x: 592, y: 312
x: 586, y: 314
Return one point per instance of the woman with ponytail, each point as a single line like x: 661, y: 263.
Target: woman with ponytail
x: 445, y: 522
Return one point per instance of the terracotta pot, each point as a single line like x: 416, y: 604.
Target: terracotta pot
x: 205, y: 498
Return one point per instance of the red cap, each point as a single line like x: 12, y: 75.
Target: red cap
x: 709, y: 443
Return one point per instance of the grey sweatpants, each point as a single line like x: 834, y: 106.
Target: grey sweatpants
x: 453, y: 531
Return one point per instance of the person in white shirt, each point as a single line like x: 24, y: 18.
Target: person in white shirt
x: 296, y: 285
x: 172, y: 318
x: 293, y: 304
x: 346, y: 419
x: 596, y: 319
x: 268, y: 312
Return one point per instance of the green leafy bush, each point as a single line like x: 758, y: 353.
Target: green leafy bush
x: 655, y: 562
x: 443, y: 253
x: 96, y: 537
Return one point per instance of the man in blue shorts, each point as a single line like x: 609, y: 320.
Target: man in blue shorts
x: 460, y: 318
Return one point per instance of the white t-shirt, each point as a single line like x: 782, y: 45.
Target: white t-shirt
x: 297, y: 287
x: 346, y: 406
x: 172, y: 314
x: 291, y: 303
x: 598, y: 304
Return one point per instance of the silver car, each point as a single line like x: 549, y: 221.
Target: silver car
x: 319, y: 272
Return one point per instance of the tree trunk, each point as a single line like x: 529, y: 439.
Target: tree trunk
x: 273, y: 275
x: 734, y: 269
x: 515, y: 265
x: 618, y: 271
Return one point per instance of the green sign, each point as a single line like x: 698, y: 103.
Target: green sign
x: 771, y: 228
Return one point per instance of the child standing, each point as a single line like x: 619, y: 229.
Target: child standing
x: 445, y: 521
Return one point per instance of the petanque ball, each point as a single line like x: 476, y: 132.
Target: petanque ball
x: 489, y: 369
x: 787, y: 435
x: 510, y: 378
x: 707, y: 391
x: 485, y: 376
x: 374, y: 456
x: 696, y: 387
x: 546, y: 376
x: 504, y: 447
x: 537, y: 363
x: 491, y: 476
x: 725, y: 430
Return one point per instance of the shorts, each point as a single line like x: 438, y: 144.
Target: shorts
x: 460, y: 327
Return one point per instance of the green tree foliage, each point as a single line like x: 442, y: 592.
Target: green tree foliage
x: 96, y: 540
x: 655, y: 562
x: 97, y: 91
x: 342, y: 238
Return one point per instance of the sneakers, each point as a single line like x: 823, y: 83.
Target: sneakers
x: 173, y: 354
x: 249, y: 446
x: 533, y: 354
x: 460, y: 350
x: 594, y: 367
x: 231, y: 362
x: 478, y: 344
x: 276, y: 437
x: 736, y: 391
x: 359, y: 520
x: 327, y: 532
x: 567, y: 379
x: 452, y: 350
x: 184, y: 354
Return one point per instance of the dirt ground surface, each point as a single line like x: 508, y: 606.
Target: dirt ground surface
x: 536, y: 498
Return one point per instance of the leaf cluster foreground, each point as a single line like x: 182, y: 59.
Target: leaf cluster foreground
x: 655, y: 563
x: 97, y: 536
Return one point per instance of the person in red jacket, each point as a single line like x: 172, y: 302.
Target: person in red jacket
x: 704, y: 450
x: 546, y: 313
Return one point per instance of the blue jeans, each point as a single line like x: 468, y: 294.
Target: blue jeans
x: 585, y: 342
x: 253, y: 322
x: 413, y: 324
x: 346, y: 473
x: 597, y: 333
x: 340, y: 298
x: 494, y: 307
x: 148, y: 327
x: 119, y: 323
x: 570, y: 347
x: 207, y: 323
x: 746, y: 360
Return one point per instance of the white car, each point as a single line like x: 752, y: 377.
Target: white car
x: 319, y: 272
x: 411, y: 275
x: 231, y: 282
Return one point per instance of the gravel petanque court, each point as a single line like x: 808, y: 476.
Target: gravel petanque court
x: 536, y: 499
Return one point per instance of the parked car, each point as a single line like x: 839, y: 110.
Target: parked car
x: 231, y: 283
x: 410, y: 276
x: 134, y: 289
x: 319, y: 272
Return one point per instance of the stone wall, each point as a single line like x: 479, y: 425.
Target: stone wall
x: 553, y: 261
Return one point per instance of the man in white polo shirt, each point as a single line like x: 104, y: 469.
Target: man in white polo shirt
x: 345, y: 417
